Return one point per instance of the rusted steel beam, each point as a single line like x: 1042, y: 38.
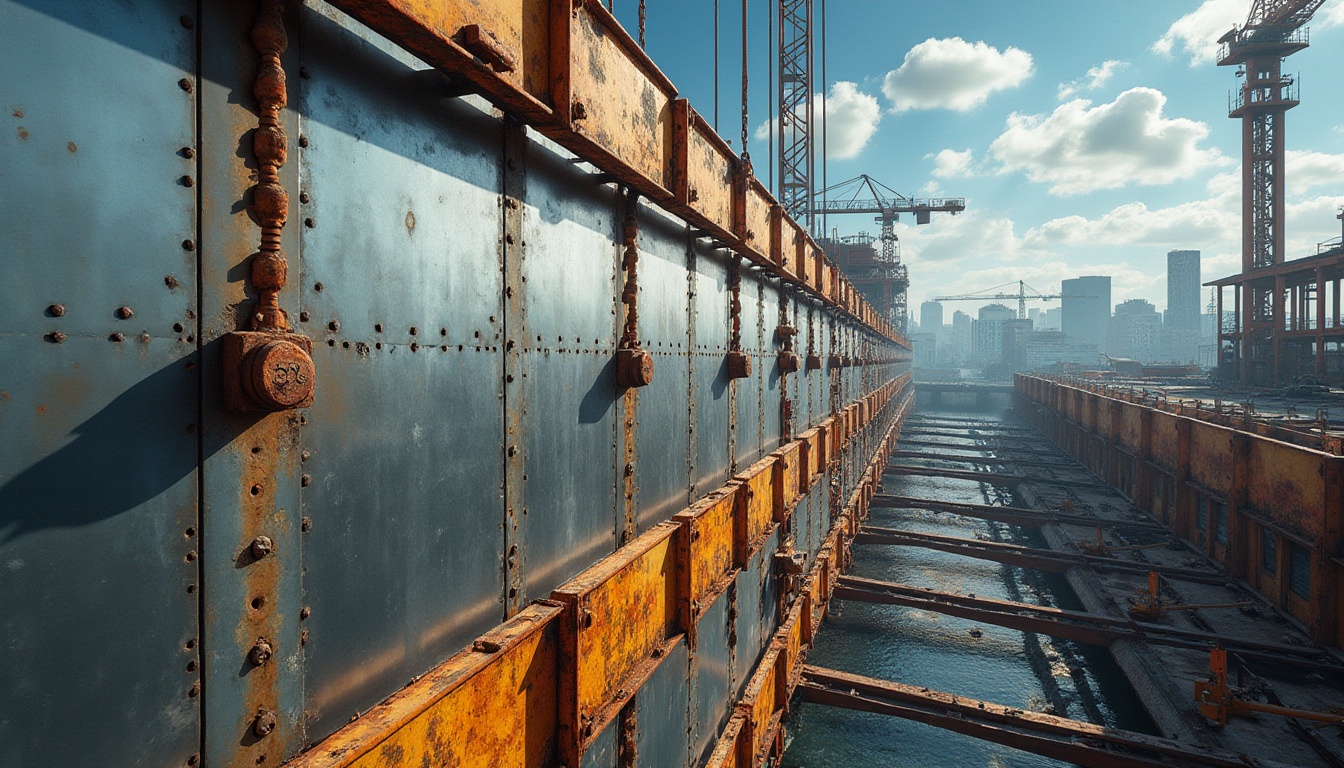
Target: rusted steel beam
x: 998, y: 461
x: 1092, y: 628
x: 993, y: 478
x: 1026, y: 557
x: 571, y: 70
x: 1057, y: 737
x: 1014, y: 515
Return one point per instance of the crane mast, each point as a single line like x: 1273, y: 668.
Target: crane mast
x: 1273, y: 31
x: 794, y: 124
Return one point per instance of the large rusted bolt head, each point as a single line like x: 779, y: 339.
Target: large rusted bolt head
x: 634, y: 368
x: 788, y: 362
x: 264, y: 722
x: 813, y: 362
x: 834, y: 361
x: 261, y: 652
x: 56, y: 310
x: 261, y: 547
x: 125, y: 313
x: 739, y: 365
x: 278, y: 375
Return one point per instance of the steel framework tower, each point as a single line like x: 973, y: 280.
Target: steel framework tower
x: 797, y: 164
x: 1273, y: 31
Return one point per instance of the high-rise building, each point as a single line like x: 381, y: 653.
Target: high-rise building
x: 930, y: 317
x: 989, y: 333
x: 1086, y: 309
x: 1183, y: 290
x: 960, y: 339
x: 1136, y: 330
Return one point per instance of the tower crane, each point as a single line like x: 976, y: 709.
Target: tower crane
x: 1022, y: 296
x: 864, y: 194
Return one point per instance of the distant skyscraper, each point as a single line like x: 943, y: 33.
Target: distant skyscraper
x: 1183, y: 290
x: 1086, y: 309
x: 1136, y: 329
x: 930, y: 317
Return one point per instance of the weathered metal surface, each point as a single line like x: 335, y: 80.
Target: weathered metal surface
x: 99, y: 468
x: 492, y: 704
x: 620, y: 614
x: 663, y: 704
x: 465, y: 451
x: 707, y: 541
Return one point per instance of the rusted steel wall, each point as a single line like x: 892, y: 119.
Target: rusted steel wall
x: 1270, y: 511
x: 565, y: 569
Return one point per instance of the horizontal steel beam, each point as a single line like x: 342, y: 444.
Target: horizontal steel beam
x: 1025, y: 557
x: 1015, y: 515
x: 1092, y: 628
x: 1056, y: 737
x: 992, y: 478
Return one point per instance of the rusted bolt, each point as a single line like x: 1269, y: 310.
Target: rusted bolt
x: 304, y: 197
x: 262, y: 546
x: 334, y: 325
x: 305, y: 612
x: 634, y: 368
x: 184, y: 84
x: 303, y: 316
x: 513, y: 451
x: 306, y: 480
x: 264, y: 722
x: 309, y: 223
x: 580, y: 111
x: 813, y: 362
x: 788, y: 362
x: 187, y: 22
x: 194, y: 760
x: 278, y: 374
x: 116, y: 337
x: 305, y: 455
x: 414, y: 330
x: 303, y: 637
x: 629, y: 469
x: 303, y: 141
x: 260, y: 653
x: 188, y: 152
x: 306, y: 524
x: 187, y: 181
x: 125, y: 313
x: 194, y: 690
x: 56, y: 337
x: 56, y: 310
x: 188, y: 245
x: 739, y: 365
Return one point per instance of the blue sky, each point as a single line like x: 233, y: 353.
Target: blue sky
x: 1088, y: 137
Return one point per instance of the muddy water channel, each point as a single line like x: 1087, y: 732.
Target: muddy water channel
x: 945, y: 653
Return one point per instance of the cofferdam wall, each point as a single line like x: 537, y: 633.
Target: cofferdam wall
x: 391, y: 384
x: 1270, y: 511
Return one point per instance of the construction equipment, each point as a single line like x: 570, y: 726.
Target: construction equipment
x: 1147, y: 604
x: 1272, y: 32
x: 1217, y: 700
x: 1022, y: 296
x: 864, y: 194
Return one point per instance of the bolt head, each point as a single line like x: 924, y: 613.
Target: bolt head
x: 56, y: 337
x: 634, y: 368
x: 279, y: 375
x: 125, y: 313
x: 261, y: 547
x: 264, y: 722
x: 56, y: 310
x: 261, y: 652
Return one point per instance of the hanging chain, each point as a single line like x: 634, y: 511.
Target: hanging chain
x: 641, y: 23
x: 745, y: 155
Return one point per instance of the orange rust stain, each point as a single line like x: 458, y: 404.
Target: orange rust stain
x: 23, y: 134
x: 70, y: 145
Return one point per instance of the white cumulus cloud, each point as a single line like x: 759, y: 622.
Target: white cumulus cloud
x: 1095, y: 78
x: 1306, y: 170
x: 951, y: 164
x: 852, y: 117
x: 1081, y: 148
x: 951, y: 73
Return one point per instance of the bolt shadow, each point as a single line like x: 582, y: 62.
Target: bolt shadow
x: 128, y: 453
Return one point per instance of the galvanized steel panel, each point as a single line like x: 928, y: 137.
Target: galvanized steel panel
x: 713, y: 675
x: 663, y: 435
x: 403, y: 562
x: 98, y: 512
x: 662, y: 739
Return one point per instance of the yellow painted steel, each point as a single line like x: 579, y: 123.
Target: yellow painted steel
x: 756, y: 506
x: 784, y: 481
x: 708, y: 542
x: 618, y: 613
x: 490, y: 706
